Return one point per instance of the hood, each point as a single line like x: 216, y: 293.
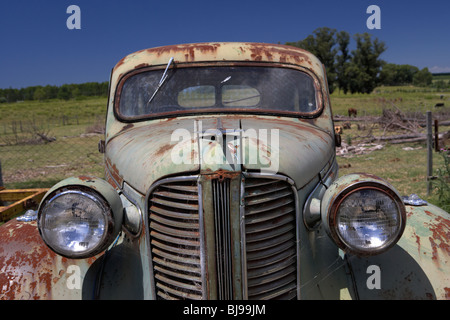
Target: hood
x: 142, y: 153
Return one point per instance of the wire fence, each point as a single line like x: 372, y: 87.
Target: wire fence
x: 38, y: 153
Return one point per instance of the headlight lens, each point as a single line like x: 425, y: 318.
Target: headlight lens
x: 368, y: 219
x: 75, y: 223
x: 363, y: 214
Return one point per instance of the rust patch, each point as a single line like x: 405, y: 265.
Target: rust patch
x: 128, y: 126
x: 28, y: 268
x: 447, y: 293
x: 441, y: 233
x: 26, y: 262
x: 188, y: 49
x: 418, y: 242
x: 114, y: 174
x: 163, y: 149
x: 86, y: 178
x: 220, y: 174
x: 121, y: 62
x: 142, y: 65
x: 434, y: 247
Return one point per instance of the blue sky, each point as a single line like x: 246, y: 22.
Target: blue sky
x: 37, y: 48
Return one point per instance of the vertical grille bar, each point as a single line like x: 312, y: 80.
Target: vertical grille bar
x: 221, y: 198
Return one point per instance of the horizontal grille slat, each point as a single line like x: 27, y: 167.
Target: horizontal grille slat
x: 177, y: 205
x: 169, y: 293
x: 186, y: 188
x: 270, y: 239
x: 268, y: 235
x: 273, y: 276
x: 176, y: 195
x: 181, y: 268
x: 175, y: 240
x: 267, y: 189
x: 176, y: 223
x: 176, y: 257
x: 271, y: 259
x: 269, y: 214
x: 176, y: 274
x: 173, y: 231
x: 191, y: 287
x: 281, y: 220
x: 268, y: 197
x: 268, y: 243
x: 279, y: 288
x: 268, y: 207
x: 262, y: 271
x: 267, y: 252
x: 181, y: 250
x: 174, y: 214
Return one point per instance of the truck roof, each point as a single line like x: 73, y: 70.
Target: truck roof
x: 215, y: 52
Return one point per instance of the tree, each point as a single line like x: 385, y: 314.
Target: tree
x: 322, y: 45
x: 39, y: 94
x: 342, y: 60
x: 358, y: 71
x: 394, y: 75
x: 363, y: 73
x: 423, y: 78
x: 64, y: 92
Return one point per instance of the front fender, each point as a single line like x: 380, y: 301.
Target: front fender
x: 30, y: 270
x: 418, y: 267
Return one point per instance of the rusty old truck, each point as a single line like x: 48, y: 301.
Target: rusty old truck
x: 221, y: 183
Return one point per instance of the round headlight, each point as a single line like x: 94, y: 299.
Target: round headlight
x: 77, y: 221
x: 364, y: 217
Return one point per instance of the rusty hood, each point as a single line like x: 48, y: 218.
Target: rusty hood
x: 144, y: 152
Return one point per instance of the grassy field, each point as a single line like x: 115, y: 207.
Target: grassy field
x: 28, y: 160
x: 44, y: 142
x: 403, y: 165
x: 406, y: 98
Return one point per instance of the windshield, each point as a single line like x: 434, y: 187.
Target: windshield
x: 219, y: 88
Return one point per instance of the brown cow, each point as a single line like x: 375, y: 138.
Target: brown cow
x: 353, y: 112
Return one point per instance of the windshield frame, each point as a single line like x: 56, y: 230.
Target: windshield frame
x: 205, y: 111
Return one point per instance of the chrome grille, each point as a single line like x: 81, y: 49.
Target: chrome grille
x: 270, y: 239
x: 175, y: 240
x: 179, y: 240
x: 221, y: 199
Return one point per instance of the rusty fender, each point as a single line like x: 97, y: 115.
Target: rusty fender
x: 29, y: 270
x: 417, y: 267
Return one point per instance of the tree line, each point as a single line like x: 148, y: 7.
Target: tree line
x: 360, y: 70
x: 64, y: 92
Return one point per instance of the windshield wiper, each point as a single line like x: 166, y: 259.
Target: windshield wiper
x: 161, y: 82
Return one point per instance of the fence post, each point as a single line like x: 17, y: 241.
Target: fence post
x: 436, y: 135
x: 429, y: 152
x: 1, y: 176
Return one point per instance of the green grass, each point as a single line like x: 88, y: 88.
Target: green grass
x: 406, y: 170
x: 28, y: 161
x: 53, y: 109
x: 406, y: 98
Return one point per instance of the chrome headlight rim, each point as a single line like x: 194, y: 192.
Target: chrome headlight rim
x: 106, y: 211
x: 377, y: 185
